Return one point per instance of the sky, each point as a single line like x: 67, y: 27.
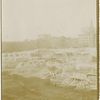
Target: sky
x: 26, y: 19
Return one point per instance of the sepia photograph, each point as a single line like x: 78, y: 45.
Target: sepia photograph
x: 49, y: 50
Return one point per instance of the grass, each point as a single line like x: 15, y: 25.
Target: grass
x: 15, y: 87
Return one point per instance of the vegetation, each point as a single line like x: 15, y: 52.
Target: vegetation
x: 16, y: 87
x: 50, y: 42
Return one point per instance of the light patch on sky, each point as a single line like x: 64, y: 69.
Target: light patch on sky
x: 26, y: 19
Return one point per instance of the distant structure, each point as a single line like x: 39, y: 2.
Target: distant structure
x: 88, y: 39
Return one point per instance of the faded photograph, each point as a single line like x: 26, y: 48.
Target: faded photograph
x: 49, y: 50
x: 99, y: 51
